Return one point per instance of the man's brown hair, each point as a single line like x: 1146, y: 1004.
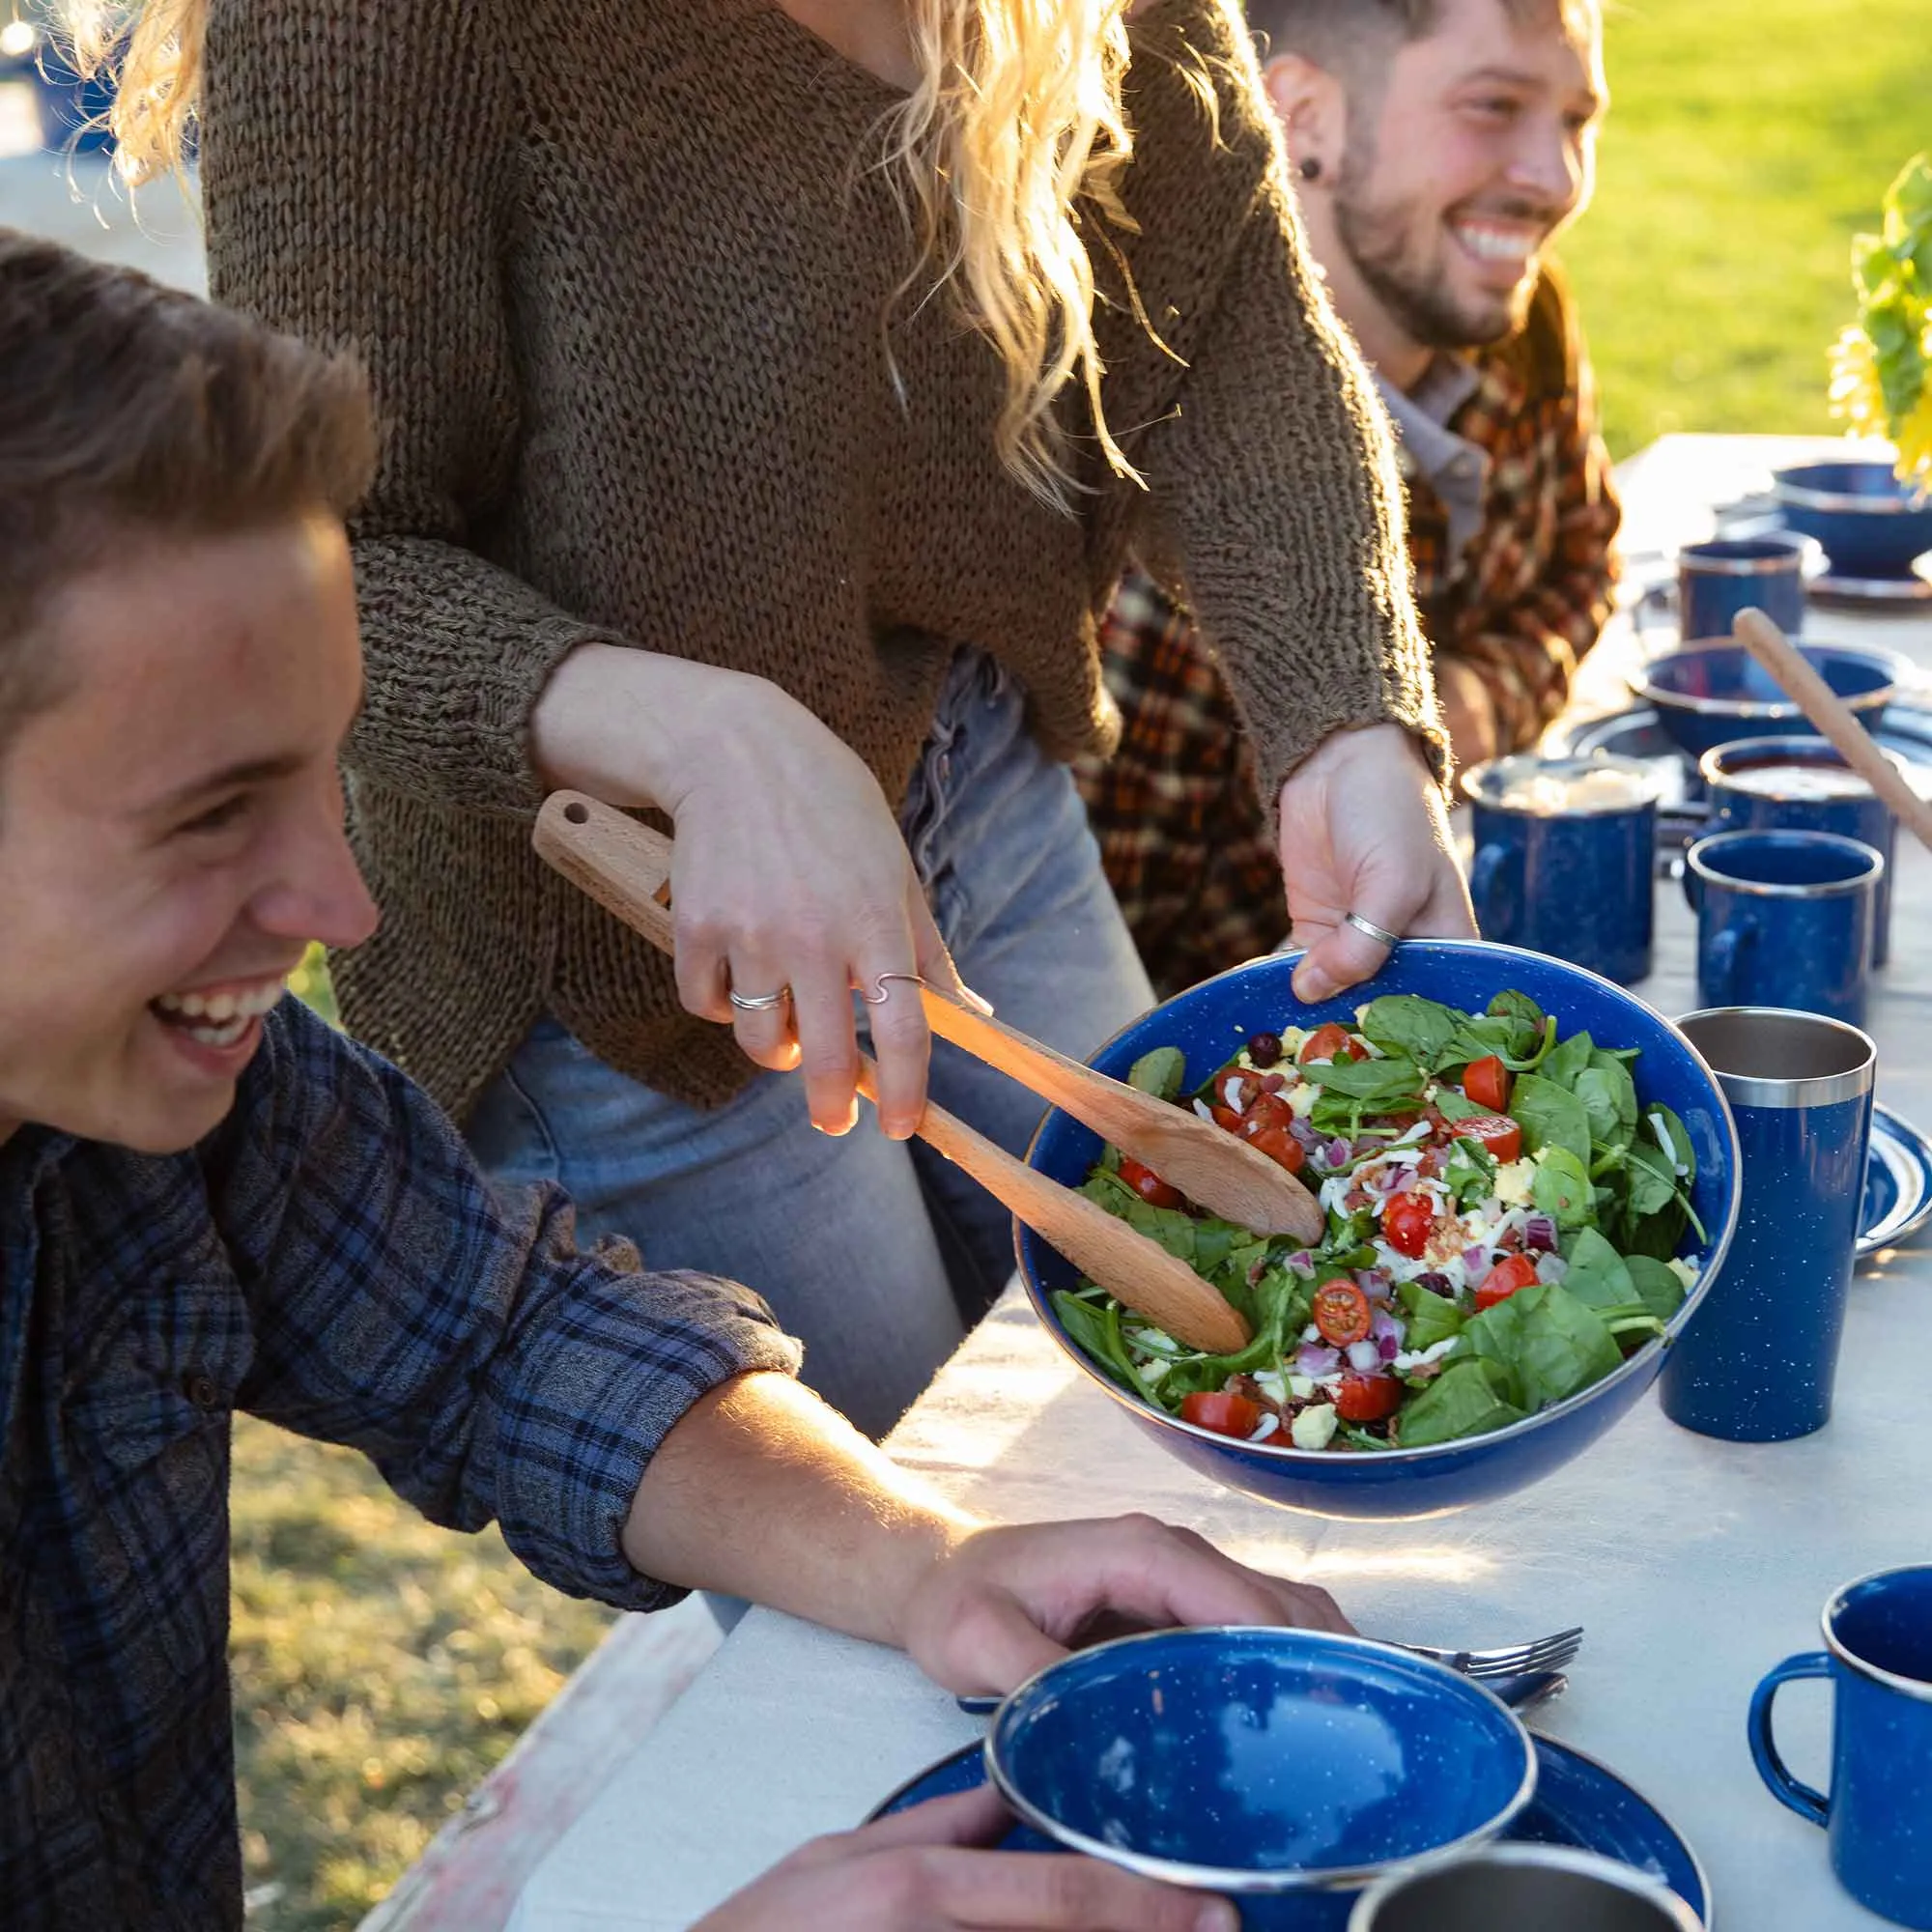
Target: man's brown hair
x: 130, y: 413
x: 1337, y: 34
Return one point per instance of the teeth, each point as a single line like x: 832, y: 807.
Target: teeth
x: 1496, y: 245
x: 227, y: 1014
x: 222, y: 1036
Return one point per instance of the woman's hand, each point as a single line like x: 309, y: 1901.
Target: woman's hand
x: 791, y: 870
x: 926, y: 1870
x: 1365, y: 829
x: 1004, y: 1603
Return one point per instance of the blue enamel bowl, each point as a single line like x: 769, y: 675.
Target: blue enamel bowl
x: 1867, y: 523
x: 1711, y: 692
x: 1210, y: 1021
x: 1286, y: 1769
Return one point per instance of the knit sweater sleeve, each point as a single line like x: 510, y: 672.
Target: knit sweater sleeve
x: 1276, y: 498
x: 360, y: 171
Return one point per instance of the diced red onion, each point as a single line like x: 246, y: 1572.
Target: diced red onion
x: 1387, y: 1334
x: 1551, y: 1267
x: 1338, y: 1153
x: 1373, y: 1283
x: 1364, y: 1357
x: 1474, y: 1257
x: 1307, y: 1135
x: 1314, y: 1360
x: 1302, y: 1262
x: 1539, y: 1233
x: 1435, y: 1284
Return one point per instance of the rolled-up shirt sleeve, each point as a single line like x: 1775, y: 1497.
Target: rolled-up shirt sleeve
x: 454, y: 1332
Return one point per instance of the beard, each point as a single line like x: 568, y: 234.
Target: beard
x: 1402, y: 274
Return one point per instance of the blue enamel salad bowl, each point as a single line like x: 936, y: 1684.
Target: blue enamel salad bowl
x: 1867, y: 522
x: 1211, y: 1021
x: 1287, y: 1769
x: 1711, y: 692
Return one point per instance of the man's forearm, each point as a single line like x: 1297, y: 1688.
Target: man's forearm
x: 763, y: 1491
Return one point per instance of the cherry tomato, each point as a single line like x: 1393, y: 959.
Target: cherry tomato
x: 1225, y: 1118
x: 1408, y: 1222
x: 1226, y: 1414
x: 1281, y: 1146
x: 1504, y: 1279
x: 1487, y: 1083
x: 1149, y: 1185
x: 1367, y: 1398
x: 1495, y: 1131
x: 1268, y: 1110
x: 1236, y: 1087
x: 1341, y: 1313
x: 1329, y: 1042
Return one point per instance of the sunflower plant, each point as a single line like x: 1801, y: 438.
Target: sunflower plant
x: 1882, y: 365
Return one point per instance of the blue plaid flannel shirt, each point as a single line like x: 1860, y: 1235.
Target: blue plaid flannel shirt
x: 332, y: 1260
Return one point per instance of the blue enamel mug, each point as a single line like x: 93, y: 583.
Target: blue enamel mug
x: 1756, y: 1363
x: 1804, y: 785
x: 1715, y: 580
x: 1565, y: 858
x: 1878, y: 1660
x: 1784, y: 919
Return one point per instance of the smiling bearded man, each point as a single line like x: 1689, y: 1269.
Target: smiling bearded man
x: 1438, y: 145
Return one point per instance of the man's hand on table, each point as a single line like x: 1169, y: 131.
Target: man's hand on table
x: 1365, y: 829
x: 1005, y: 1603
x: 926, y: 1870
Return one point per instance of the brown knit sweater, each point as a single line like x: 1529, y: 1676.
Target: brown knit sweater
x: 621, y: 290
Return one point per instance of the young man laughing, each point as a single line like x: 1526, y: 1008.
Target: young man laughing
x: 211, y: 1201
x: 1438, y: 147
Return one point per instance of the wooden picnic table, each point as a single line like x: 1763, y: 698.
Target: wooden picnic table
x: 1694, y: 1564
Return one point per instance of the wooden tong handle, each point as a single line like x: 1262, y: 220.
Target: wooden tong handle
x: 625, y: 867
x: 1833, y: 719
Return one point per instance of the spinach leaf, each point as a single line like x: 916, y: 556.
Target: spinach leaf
x: 1098, y: 1338
x: 1432, y: 1318
x: 1550, y: 1116
x: 1452, y: 1106
x: 1526, y: 1022
x: 1656, y: 1286
x: 1562, y: 1188
x: 1609, y: 1098
x: 1381, y: 1083
x: 1403, y: 1024
x: 1598, y: 1275
x: 1206, y: 1244
x: 1553, y: 1343
x: 1471, y: 1397
x: 1566, y: 1060
x: 1163, y: 1073
x: 1471, y: 1174
x: 1651, y: 1179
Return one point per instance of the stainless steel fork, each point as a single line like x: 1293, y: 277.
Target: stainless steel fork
x: 1513, y: 1659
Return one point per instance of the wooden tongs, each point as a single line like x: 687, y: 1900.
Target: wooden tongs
x: 625, y: 867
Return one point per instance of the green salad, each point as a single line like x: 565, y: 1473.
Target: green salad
x: 1503, y: 1218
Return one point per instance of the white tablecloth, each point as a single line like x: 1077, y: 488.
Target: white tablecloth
x: 1696, y: 1565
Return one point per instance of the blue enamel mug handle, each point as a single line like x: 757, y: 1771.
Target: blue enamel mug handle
x: 1778, y: 1781
x: 1727, y: 948
x: 1487, y: 873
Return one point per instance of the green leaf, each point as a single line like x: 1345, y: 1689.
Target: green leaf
x: 1609, y: 1098
x: 1562, y: 1188
x: 1471, y: 1174
x: 1163, y: 1073
x: 1550, y: 1116
x: 1452, y: 1106
x: 1431, y: 1317
x: 1422, y: 1029
x: 1566, y: 1060
x: 1378, y: 1083
x: 1553, y: 1343
x: 1526, y: 1018
x: 1598, y: 1275
x: 1097, y: 1337
x: 1471, y: 1397
x: 1656, y: 1286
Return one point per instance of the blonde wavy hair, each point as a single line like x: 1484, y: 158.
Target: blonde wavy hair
x: 1017, y: 117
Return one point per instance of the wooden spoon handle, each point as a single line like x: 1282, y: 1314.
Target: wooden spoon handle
x: 625, y: 867
x: 1210, y: 1166
x: 1833, y: 719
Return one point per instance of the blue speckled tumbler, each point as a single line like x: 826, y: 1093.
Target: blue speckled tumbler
x: 1756, y: 1362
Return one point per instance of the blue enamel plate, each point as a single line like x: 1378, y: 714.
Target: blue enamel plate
x: 1898, y: 1185
x: 1578, y: 1803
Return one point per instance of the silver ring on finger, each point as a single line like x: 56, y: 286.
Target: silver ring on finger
x: 760, y: 1002
x: 1380, y: 934
x: 878, y: 996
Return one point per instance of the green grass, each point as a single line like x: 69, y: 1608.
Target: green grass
x: 383, y: 1667
x: 1747, y: 141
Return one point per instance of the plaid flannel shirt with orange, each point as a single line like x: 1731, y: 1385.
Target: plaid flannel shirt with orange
x: 1185, y: 832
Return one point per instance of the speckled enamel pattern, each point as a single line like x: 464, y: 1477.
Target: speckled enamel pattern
x: 1878, y: 1660
x: 1736, y: 808
x: 1784, y: 919
x: 1757, y: 1359
x: 1718, y: 579
x: 1578, y: 1803
x: 1710, y: 694
x: 1210, y: 1021
x: 1578, y: 886
x: 1866, y: 520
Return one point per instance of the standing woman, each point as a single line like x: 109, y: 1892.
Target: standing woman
x: 773, y: 390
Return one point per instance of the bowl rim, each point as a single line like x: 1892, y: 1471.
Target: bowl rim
x: 1285, y: 1454
x: 1897, y: 671
x: 1246, y: 1878
x: 1846, y: 502
x: 1677, y: 1911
